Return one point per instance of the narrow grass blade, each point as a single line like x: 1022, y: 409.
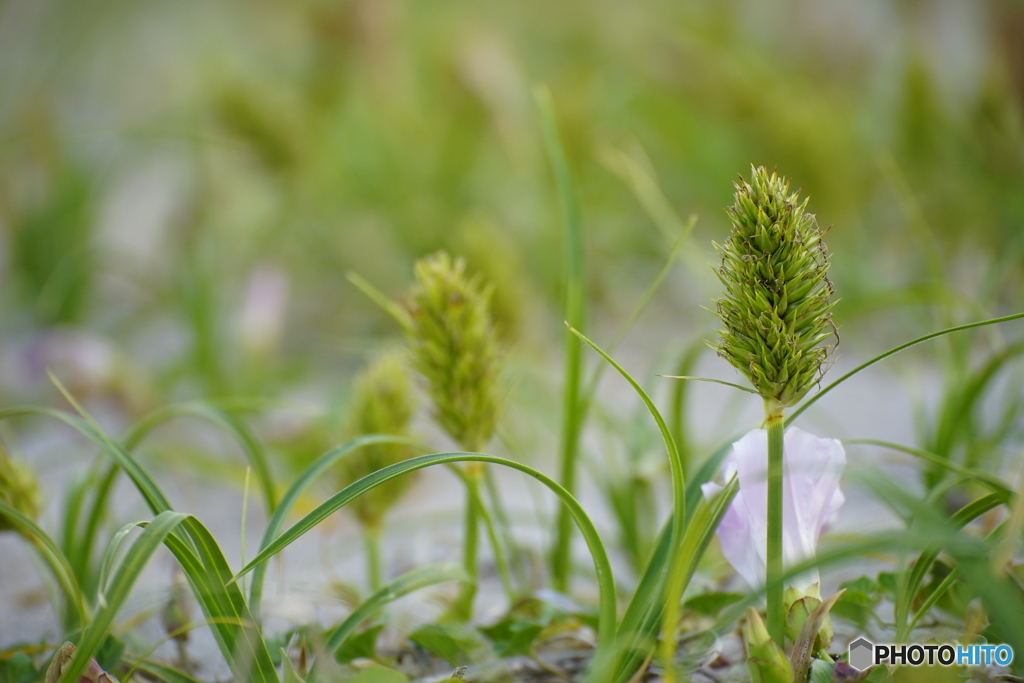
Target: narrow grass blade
x: 575, y: 281
x: 813, y: 399
x: 108, y: 561
x: 160, y: 672
x: 403, y: 585
x: 134, y: 561
x: 52, y: 557
x: 379, y: 298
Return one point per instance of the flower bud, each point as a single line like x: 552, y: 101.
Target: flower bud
x: 766, y: 660
x: 455, y: 348
x: 18, y: 488
x: 776, y: 309
x: 383, y: 403
x: 800, y: 604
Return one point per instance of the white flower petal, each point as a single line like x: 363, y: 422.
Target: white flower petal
x: 811, y: 500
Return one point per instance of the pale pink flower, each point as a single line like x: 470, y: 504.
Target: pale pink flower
x: 811, y: 501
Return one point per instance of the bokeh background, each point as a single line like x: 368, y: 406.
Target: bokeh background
x: 184, y: 186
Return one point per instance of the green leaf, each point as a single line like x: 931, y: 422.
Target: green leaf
x: 575, y: 284
x: 452, y: 642
x: 821, y: 672
x: 360, y: 645
x: 512, y: 636
x: 380, y: 674
x: 18, y: 668
x: 710, y: 604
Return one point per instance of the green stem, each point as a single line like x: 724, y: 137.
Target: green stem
x: 462, y: 609
x: 371, y: 541
x: 773, y: 573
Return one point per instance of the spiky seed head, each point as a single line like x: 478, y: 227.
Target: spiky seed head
x: 383, y: 403
x: 18, y: 488
x: 776, y: 312
x: 455, y: 348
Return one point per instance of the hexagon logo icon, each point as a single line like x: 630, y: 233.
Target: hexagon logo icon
x: 862, y: 654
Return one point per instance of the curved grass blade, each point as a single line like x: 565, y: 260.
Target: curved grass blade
x: 85, y: 543
x: 575, y: 282
x: 154, y: 498
x: 714, y: 381
x: 390, y: 307
x: 52, y: 557
x: 254, y: 453
x: 602, y: 566
x: 135, y: 559
x: 680, y: 394
x: 678, y: 484
x: 403, y: 585
x: 108, y: 561
x: 301, y: 483
x: 810, y: 401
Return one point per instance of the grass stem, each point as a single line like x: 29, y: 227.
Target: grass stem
x: 773, y: 573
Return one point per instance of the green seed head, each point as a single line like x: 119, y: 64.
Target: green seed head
x: 455, y: 348
x: 18, y: 488
x: 384, y: 403
x: 776, y: 311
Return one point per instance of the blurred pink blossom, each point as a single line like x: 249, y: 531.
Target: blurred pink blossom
x: 811, y: 501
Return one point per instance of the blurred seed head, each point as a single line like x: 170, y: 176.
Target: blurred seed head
x: 776, y: 311
x: 455, y: 348
x: 18, y: 488
x: 383, y: 403
x: 177, y: 611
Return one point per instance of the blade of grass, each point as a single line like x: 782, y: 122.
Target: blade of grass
x: 678, y: 486
x: 572, y: 418
x: 403, y: 585
x: 813, y: 399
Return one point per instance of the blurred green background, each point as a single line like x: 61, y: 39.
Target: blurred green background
x: 184, y: 185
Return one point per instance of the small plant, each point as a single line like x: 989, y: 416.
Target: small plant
x: 776, y: 313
